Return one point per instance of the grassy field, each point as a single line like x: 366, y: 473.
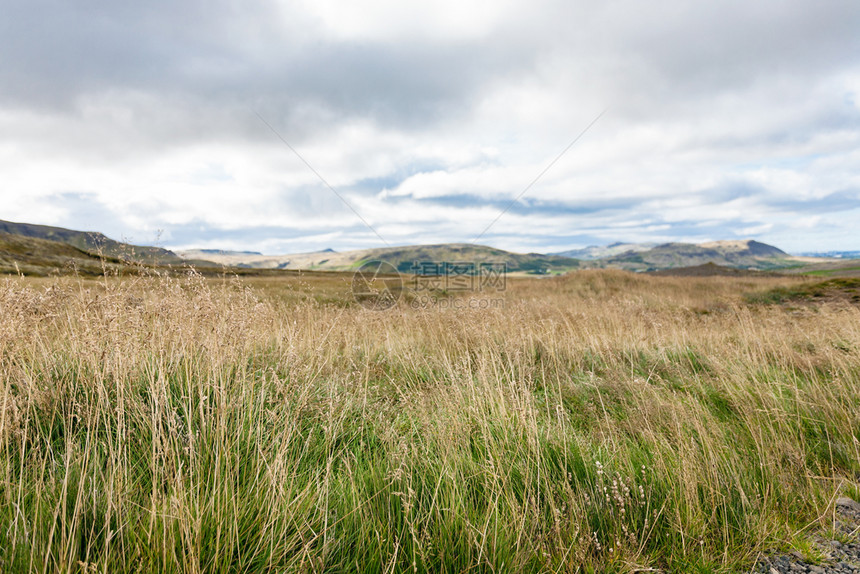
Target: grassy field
x: 595, y: 422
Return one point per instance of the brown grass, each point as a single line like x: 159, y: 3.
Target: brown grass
x: 598, y: 421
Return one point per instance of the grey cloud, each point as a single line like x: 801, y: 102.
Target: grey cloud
x: 681, y: 52
x: 659, y: 53
x: 739, y: 78
x: 767, y: 200
x: 837, y: 202
x: 206, y: 66
x: 524, y: 205
x: 210, y: 56
x: 731, y: 191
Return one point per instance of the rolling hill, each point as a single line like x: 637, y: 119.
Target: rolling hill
x: 42, y: 250
x: 740, y: 254
x: 94, y: 243
x: 403, y: 258
x: 41, y: 257
x: 736, y: 254
x: 602, y: 251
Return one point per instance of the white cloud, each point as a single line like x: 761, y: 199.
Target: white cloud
x: 724, y: 120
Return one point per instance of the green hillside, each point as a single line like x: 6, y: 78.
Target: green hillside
x: 93, y: 242
x: 746, y: 254
x: 404, y: 258
x: 41, y: 257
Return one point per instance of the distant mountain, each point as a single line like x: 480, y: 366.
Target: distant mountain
x: 256, y: 260
x: 745, y: 247
x: 746, y: 254
x: 94, y: 243
x: 739, y: 254
x: 600, y: 251
x: 43, y: 249
x: 403, y: 258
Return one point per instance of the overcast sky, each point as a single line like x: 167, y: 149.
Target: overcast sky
x: 148, y: 121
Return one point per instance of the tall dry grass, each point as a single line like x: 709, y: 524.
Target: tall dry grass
x: 598, y: 422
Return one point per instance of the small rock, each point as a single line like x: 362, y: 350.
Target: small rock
x: 847, y: 503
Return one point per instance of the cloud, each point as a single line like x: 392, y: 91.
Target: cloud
x: 723, y: 119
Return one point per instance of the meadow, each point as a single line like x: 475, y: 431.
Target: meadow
x: 600, y: 421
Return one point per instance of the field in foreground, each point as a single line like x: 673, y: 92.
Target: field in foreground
x: 600, y: 421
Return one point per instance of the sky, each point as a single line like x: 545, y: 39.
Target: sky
x: 291, y: 126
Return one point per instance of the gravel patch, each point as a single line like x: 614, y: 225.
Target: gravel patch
x: 840, y: 556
